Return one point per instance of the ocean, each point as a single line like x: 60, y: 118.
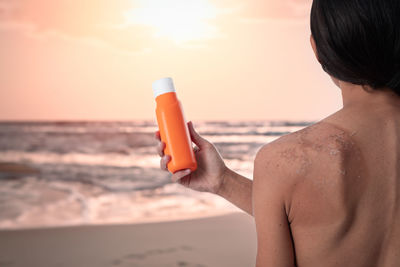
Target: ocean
x: 76, y: 173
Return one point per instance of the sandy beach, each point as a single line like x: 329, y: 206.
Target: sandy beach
x: 227, y: 240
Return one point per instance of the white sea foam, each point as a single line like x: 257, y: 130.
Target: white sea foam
x: 72, y: 204
x: 109, y: 159
x: 239, y: 139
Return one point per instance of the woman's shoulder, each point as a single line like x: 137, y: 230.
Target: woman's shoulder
x: 315, y: 137
x: 295, y: 161
x: 300, y: 152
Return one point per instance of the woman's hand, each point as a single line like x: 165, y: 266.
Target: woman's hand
x: 211, y: 169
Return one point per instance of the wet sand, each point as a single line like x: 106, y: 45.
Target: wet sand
x: 8, y: 168
x: 227, y: 240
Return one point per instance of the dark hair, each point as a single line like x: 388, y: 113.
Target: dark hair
x: 358, y: 41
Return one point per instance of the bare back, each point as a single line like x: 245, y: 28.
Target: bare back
x: 345, y: 200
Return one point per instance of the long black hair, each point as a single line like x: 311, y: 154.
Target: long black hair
x: 358, y: 41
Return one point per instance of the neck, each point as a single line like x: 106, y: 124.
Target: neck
x: 356, y: 96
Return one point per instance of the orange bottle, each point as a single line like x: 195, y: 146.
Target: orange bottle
x: 174, y: 131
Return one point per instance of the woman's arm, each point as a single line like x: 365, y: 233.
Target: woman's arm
x: 237, y: 189
x: 270, y: 186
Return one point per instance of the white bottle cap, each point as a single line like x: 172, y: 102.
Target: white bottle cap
x: 162, y: 86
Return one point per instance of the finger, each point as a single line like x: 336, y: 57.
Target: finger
x: 164, y: 162
x: 196, y: 138
x: 180, y: 174
x: 157, y: 135
x: 160, y: 149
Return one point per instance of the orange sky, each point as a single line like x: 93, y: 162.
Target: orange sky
x: 97, y: 59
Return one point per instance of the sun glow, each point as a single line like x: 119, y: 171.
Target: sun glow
x: 178, y: 20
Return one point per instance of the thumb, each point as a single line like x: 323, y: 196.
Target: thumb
x: 196, y: 138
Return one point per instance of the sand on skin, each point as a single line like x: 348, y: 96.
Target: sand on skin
x: 227, y: 240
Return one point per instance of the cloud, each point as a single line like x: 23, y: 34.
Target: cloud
x: 72, y: 17
x: 6, y: 9
x: 89, y: 21
x: 259, y: 10
x: 100, y: 20
x: 96, y: 21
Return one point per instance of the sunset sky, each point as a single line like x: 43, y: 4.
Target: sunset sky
x: 97, y: 59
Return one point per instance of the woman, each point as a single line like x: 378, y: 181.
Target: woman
x: 328, y: 195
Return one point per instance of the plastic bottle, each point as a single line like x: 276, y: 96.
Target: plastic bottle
x: 174, y: 131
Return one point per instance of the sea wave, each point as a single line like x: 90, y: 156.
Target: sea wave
x: 108, y: 172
